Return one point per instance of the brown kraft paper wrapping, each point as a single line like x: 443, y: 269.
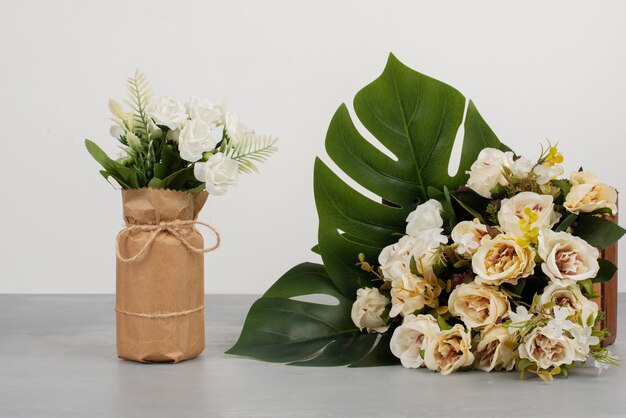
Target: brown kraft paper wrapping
x: 165, y: 284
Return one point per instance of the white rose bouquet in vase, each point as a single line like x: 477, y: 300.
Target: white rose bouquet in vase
x: 173, y: 156
x: 501, y: 265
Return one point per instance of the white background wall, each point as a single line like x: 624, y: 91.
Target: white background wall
x: 549, y: 69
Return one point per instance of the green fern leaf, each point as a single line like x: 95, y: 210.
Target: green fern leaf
x: 252, y: 149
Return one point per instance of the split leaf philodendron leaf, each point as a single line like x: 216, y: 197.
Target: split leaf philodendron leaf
x: 417, y: 119
x: 281, y: 329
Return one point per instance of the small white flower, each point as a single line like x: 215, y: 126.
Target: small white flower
x: 520, y: 315
x: 425, y: 217
x: 560, y: 322
x: 601, y: 366
x: 167, y: 111
x: 412, y: 337
x: 368, y: 308
x: 583, y: 341
x: 195, y: 138
x: 545, y: 174
x: 219, y: 173
x: 467, y: 236
x: 519, y: 168
x: 198, y: 108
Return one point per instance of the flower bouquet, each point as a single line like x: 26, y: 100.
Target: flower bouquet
x: 494, y: 268
x: 173, y: 156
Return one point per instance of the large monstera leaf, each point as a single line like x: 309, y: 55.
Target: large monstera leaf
x: 417, y: 119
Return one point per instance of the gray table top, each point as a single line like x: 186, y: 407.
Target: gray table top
x: 57, y: 359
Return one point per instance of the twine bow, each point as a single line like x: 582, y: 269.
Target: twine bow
x: 173, y: 228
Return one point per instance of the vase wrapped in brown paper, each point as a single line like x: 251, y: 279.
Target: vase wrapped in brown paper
x: 160, y: 276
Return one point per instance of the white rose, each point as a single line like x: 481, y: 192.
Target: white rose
x: 583, y: 177
x: 519, y: 167
x: 235, y: 127
x: 219, y: 173
x: 588, y: 194
x: 167, y: 111
x: 395, y: 259
x: 407, y: 295
x: 543, y: 347
x: 486, y: 172
x: 368, y: 308
x: 502, y: 260
x: 426, y: 216
x: 478, y: 306
x: 495, y: 349
x: 413, y: 336
x: 449, y: 350
x: 567, y: 294
x: 198, y: 108
x: 527, y: 208
x: 566, y: 256
x: 467, y: 236
x: 195, y: 138
x: 583, y: 340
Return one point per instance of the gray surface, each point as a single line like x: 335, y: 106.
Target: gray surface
x: 57, y: 359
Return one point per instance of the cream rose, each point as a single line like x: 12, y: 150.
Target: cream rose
x: 588, y: 194
x: 395, y: 259
x: 478, y: 306
x: 413, y: 336
x: 407, y: 295
x: 495, y: 349
x: 502, y: 260
x: 449, y: 350
x: 566, y: 256
x: 543, y: 347
x: 532, y: 209
x: 368, y: 308
x: 567, y: 294
x: 195, y: 138
x: 167, y: 111
x: 467, y: 236
x: 426, y: 216
x: 219, y: 173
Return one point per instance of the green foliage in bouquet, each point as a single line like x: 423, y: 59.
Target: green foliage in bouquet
x: 170, y: 145
x: 417, y: 119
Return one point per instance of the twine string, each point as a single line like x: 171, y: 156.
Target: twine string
x: 173, y: 228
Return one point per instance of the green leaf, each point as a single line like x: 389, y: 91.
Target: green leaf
x: 445, y: 199
x: 607, y: 271
x: 587, y: 286
x: 417, y: 119
x: 170, y: 163
x: 380, y: 354
x: 281, y: 329
x: 523, y: 364
x: 566, y: 222
x: 443, y: 324
x: 126, y: 177
x: 564, y: 185
x: 598, y: 231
